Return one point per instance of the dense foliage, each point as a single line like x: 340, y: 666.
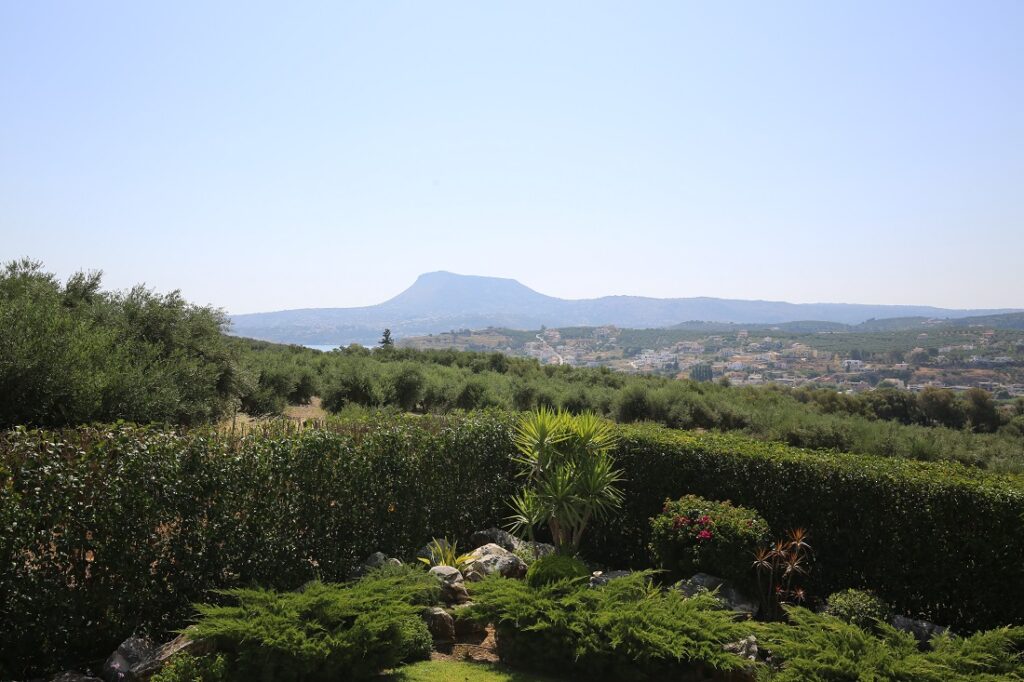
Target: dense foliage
x: 935, y: 424
x: 627, y: 629
x: 814, y: 647
x: 72, y: 353
x: 323, y: 631
x: 111, y: 530
x: 693, y: 535
x: 939, y: 541
x: 858, y: 607
x: 554, y: 568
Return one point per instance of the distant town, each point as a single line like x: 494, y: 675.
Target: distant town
x: 943, y: 356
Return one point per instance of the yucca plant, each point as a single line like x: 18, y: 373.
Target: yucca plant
x: 570, y: 475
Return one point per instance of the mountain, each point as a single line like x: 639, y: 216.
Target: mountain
x: 441, y: 301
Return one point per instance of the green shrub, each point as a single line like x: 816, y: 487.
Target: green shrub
x: 553, y: 568
x: 188, y: 668
x: 693, y: 535
x: 627, y: 629
x: 939, y: 541
x: 116, y: 529
x: 857, y: 607
x: 128, y: 526
x: 819, y: 647
x: 324, y: 631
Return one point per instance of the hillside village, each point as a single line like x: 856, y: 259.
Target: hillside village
x: 958, y: 359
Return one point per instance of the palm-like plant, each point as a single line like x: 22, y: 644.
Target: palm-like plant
x: 570, y: 475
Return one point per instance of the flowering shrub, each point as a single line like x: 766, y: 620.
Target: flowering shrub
x: 694, y: 535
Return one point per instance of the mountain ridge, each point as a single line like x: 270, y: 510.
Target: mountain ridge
x: 440, y: 301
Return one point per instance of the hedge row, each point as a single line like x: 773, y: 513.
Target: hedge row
x: 938, y: 540
x: 112, y: 530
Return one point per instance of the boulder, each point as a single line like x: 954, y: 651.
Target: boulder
x: 139, y: 659
x: 453, y: 586
x: 599, y: 578
x: 537, y: 549
x: 440, y: 623
x: 132, y: 652
x: 491, y: 559
x: 375, y: 560
x: 922, y: 630
x: 496, y: 536
x: 726, y: 592
x: 744, y: 648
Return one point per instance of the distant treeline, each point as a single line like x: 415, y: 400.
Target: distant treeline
x: 934, y: 424
x: 71, y: 353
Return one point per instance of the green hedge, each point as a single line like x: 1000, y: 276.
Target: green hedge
x: 935, y: 540
x: 115, y: 529
x: 107, y: 530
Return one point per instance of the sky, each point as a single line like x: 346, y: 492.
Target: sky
x: 265, y: 156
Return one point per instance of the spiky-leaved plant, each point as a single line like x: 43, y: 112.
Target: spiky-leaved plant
x: 569, y: 472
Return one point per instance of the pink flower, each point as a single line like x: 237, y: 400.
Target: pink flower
x: 705, y: 535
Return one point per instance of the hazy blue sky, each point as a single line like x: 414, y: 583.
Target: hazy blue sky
x: 268, y: 156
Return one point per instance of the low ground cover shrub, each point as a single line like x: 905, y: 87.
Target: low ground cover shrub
x: 627, y: 629
x: 694, y: 535
x: 553, y: 568
x: 819, y: 647
x: 323, y: 631
x: 857, y: 607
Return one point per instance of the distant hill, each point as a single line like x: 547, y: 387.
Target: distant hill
x: 442, y: 301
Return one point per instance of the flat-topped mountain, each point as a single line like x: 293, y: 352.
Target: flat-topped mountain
x: 441, y: 301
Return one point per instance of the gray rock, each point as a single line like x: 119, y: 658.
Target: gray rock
x: 492, y: 559
x: 599, y: 578
x: 453, y: 586
x: 745, y: 648
x: 922, y: 630
x: 375, y: 560
x: 440, y: 623
x: 727, y: 592
x: 132, y: 652
x: 537, y: 549
x: 496, y: 536
x: 139, y: 659
x: 393, y: 562
x: 71, y: 676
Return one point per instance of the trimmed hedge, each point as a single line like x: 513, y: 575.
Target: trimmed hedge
x: 936, y: 540
x: 109, y: 530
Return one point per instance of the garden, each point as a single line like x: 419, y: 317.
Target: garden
x: 332, y: 552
